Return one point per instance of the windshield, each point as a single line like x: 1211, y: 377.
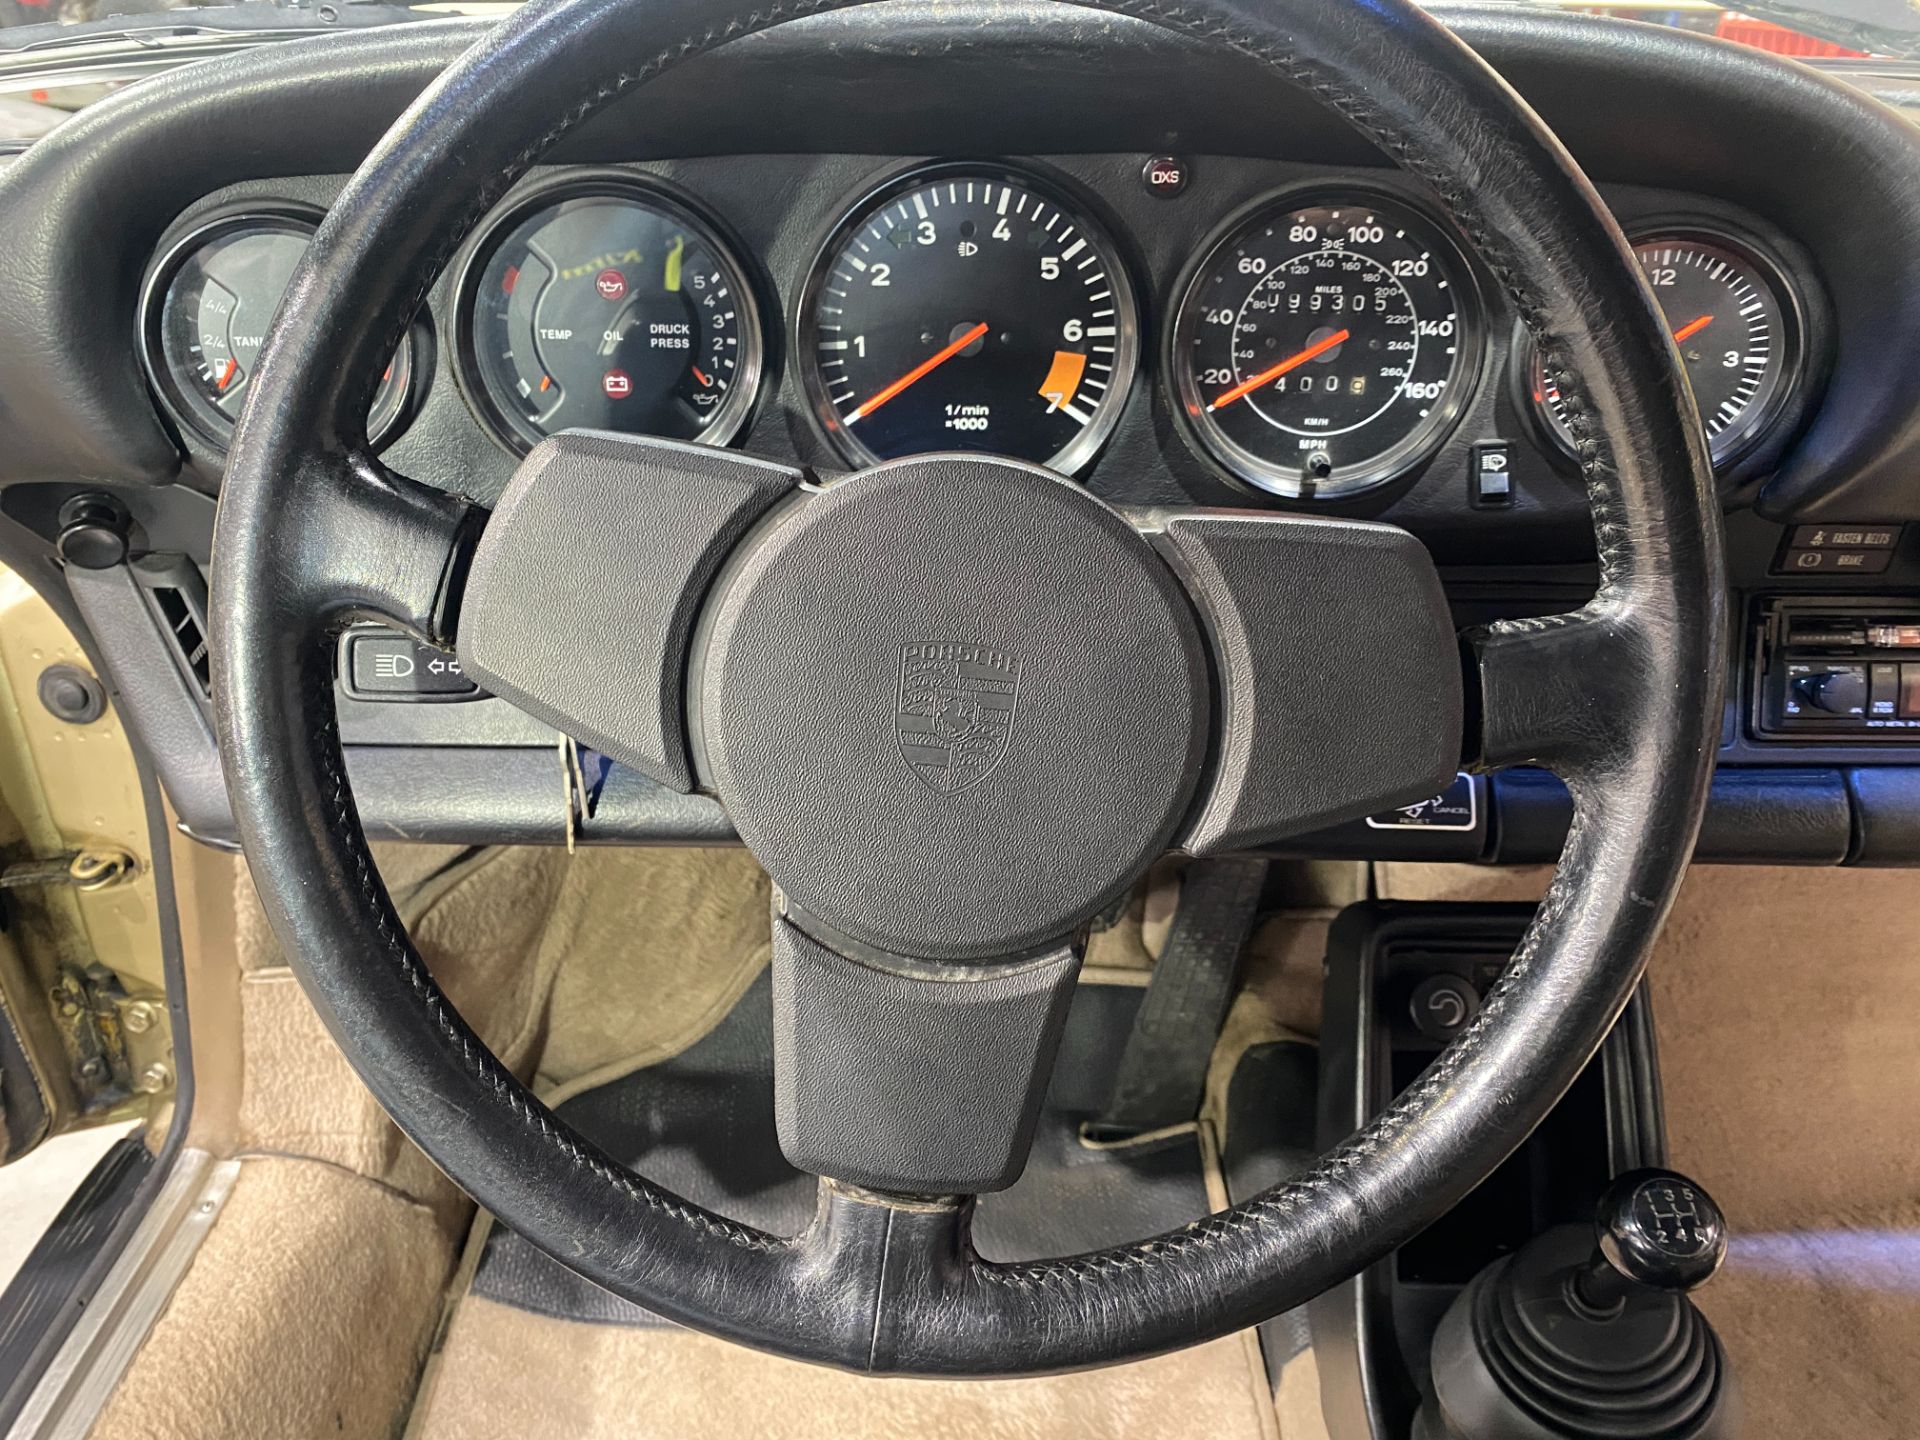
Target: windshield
x: 1794, y: 27
x: 57, y: 56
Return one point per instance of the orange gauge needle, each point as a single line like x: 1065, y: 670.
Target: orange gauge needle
x: 1692, y: 328
x: 226, y: 375
x: 1292, y: 362
x: 700, y: 375
x: 919, y: 372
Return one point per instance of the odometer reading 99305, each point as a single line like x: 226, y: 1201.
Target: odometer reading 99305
x: 1321, y: 349
x: 968, y: 309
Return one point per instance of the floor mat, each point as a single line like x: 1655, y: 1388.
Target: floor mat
x: 702, y: 1124
x: 533, y: 1350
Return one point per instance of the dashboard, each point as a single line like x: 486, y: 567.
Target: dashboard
x: 1198, y: 293
x: 1324, y: 340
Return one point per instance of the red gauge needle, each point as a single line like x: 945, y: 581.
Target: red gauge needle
x: 699, y: 375
x: 1292, y: 362
x: 919, y: 372
x: 1692, y: 328
x: 226, y: 375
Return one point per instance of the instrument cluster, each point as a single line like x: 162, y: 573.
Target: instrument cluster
x: 1320, y: 342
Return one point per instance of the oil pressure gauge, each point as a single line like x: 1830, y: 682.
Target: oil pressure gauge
x: 606, y: 303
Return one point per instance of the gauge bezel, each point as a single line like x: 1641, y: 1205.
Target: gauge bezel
x: 189, y: 411
x: 511, y: 430
x: 1084, y: 210
x: 1248, y: 471
x: 1731, y: 447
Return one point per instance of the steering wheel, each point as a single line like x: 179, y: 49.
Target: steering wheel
x: 1096, y: 687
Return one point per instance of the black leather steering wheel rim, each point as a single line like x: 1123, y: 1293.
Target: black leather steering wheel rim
x: 1621, y: 698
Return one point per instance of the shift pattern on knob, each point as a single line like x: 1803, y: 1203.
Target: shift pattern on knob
x: 1662, y: 1230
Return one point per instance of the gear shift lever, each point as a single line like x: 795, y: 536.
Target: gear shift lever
x: 1655, y: 1229
x: 1591, y: 1332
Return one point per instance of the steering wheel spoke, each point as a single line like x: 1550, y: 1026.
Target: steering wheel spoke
x: 1562, y: 692
x: 580, y: 604
x: 908, y: 1076
x: 373, y: 543
x: 1336, y: 665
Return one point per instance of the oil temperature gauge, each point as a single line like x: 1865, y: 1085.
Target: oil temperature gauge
x: 606, y: 303
x: 208, y: 306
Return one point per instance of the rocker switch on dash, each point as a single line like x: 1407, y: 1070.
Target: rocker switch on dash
x: 1492, y: 477
x: 386, y: 665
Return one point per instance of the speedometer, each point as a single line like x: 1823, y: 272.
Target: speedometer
x: 968, y: 309
x: 1324, y: 348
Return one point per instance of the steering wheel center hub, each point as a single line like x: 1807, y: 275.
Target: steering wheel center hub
x: 954, y: 705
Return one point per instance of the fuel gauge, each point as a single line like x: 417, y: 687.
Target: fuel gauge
x: 209, y: 304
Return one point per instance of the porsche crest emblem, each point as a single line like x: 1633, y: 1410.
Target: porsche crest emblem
x: 955, y: 712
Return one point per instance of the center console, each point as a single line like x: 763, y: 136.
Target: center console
x: 1401, y: 980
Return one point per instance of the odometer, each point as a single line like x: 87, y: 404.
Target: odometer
x: 968, y: 309
x: 1736, y: 325
x: 1324, y: 348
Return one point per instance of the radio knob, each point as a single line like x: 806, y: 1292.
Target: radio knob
x: 1837, y: 692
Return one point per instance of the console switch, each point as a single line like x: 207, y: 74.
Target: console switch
x: 381, y: 664
x: 1883, y: 695
x: 1492, y: 474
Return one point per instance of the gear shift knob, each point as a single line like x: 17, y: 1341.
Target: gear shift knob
x: 1655, y: 1229
x: 1568, y: 1337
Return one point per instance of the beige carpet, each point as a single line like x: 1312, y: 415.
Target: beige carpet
x: 304, y: 1315
x: 506, y: 1374
x: 312, y: 1303
x: 1786, y: 1001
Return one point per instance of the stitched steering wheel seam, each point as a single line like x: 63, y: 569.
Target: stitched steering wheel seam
x: 1223, y: 1271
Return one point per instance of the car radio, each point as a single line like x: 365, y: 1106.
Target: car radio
x: 1838, y: 666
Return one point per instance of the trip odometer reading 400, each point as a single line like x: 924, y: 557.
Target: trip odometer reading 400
x: 968, y: 309
x: 1321, y: 349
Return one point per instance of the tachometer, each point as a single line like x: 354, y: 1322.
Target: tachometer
x: 1736, y: 324
x: 1324, y: 348
x: 968, y: 309
x: 606, y: 303
x: 207, y: 307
